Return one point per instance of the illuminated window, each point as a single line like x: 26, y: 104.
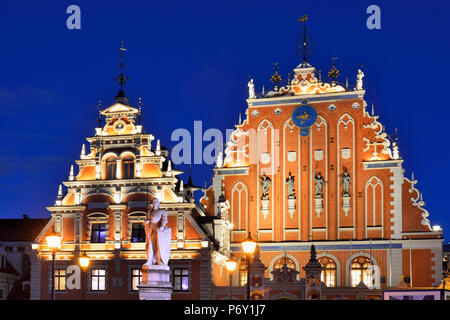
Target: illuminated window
x: 138, y: 232
x: 98, y: 279
x: 98, y: 233
x: 60, y: 279
x: 360, y: 271
x: 128, y: 168
x: 111, y: 168
x: 136, y: 278
x: 243, y: 274
x: 280, y: 262
x: 180, y: 279
x: 328, y: 275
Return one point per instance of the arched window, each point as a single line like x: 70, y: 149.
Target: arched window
x: 128, y: 168
x: 280, y: 262
x: 360, y: 271
x: 111, y: 168
x: 328, y: 275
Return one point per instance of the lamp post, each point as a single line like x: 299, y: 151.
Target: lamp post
x: 231, y: 266
x: 84, y: 263
x: 248, y: 245
x: 54, y: 243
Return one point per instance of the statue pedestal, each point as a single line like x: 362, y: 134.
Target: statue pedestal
x: 291, y: 206
x: 318, y: 205
x: 265, y: 207
x: 155, y: 284
x: 346, y: 203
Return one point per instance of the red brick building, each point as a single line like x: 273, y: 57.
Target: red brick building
x: 309, y: 164
x: 360, y: 212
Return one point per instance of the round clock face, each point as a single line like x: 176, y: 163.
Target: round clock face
x: 304, y: 116
x: 119, y: 126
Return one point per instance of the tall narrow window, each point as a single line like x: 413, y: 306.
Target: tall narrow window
x: 111, y: 168
x: 98, y: 233
x: 180, y: 279
x: 98, y: 280
x: 243, y: 274
x: 328, y: 275
x: 138, y: 232
x: 136, y: 278
x: 128, y: 168
x: 60, y: 279
x: 360, y: 272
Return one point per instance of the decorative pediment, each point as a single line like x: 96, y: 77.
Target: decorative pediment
x: 119, y: 109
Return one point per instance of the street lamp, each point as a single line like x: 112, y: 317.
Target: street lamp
x: 84, y: 263
x: 53, y: 243
x: 248, y: 245
x: 231, y: 266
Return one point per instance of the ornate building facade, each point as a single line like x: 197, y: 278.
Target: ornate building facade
x: 101, y: 215
x: 312, y: 164
x: 310, y: 173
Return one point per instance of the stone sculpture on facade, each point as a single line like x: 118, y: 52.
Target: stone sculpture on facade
x: 319, y: 181
x: 251, y: 89
x: 265, y: 184
x: 290, y: 181
x: 346, y: 183
x: 359, y: 80
x: 346, y: 194
x: 290, y: 187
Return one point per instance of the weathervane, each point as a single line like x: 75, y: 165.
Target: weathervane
x: 303, y: 19
x: 121, y: 79
x: 99, y: 113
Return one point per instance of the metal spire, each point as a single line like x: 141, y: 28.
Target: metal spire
x: 99, y: 113
x: 140, y: 110
x: 122, y: 79
x: 303, y: 19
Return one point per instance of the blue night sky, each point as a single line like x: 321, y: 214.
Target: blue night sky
x: 191, y: 60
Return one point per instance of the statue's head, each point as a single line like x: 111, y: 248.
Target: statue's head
x: 155, y: 203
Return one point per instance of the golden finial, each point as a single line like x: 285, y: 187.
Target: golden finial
x: 275, y: 78
x: 333, y: 74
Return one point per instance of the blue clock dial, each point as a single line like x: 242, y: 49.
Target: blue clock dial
x: 304, y: 116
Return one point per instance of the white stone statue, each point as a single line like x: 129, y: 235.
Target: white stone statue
x: 251, y: 89
x: 157, y: 235
x: 359, y: 80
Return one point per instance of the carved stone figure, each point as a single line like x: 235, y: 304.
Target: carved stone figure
x: 359, y: 80
x: 157, y: 235
x: 251, y: 89
x: 290, y: 187
x: 318, y: 179
x: 346, y: 183
x: 265, y: 184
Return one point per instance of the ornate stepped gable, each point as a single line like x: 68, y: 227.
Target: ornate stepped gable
x: 372, y: 142
x: 338, y: 179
